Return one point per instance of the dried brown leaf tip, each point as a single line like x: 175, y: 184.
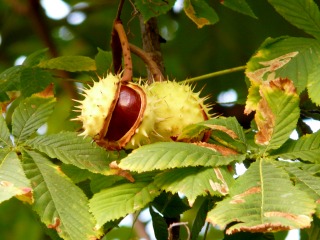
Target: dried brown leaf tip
x: 223, y: 129
x: 217, y: 148
x: 116, y: 170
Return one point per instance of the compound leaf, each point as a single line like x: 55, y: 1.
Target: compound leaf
x: 13, y: 181
x: 69, y: 63
x: 70, y: 148
x: 195, y: 181
x: 118, y: 201
x: 306, y: 148
x: 103, y: 62
x: 31, y: 114
x: 60, y: 204
x: 263, y: 199
x: 303, y: 14
x: 167, y: 155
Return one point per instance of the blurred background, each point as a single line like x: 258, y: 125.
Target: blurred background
x: 73, y: 27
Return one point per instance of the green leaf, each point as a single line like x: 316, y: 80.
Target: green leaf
x: 5, y: 140
x: 303, y: 14
x: 263, y: 199
x: 306, y: 148
x: 240, y: 6
x: 34, y: 58
x: 69, y: 63
x: 9, y: 81
x: 70, y: 148
x: 200, y: 12
x: 277, y: 113
x: 286, y: 57
x: 167, y: 155
x: 13, y: 181
x: 195, y: 181
x: 103, y: 62
x: 31, y: 114
x: 313, y: 85
x: 200, y: 217
x: 60, y: 204
x: 118, y: 201
x: 154, y: 8
x: 307, y: 183
x: 33, y: 80
x: 159, y: 225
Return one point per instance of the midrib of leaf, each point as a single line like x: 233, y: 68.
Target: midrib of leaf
x: 262, y: 190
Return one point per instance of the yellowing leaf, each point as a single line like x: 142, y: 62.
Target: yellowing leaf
x: 277, y: 112
x: 200, y: 12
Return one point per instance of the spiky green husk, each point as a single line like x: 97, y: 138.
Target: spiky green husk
x: 177, y: 107
x: 96, y: 104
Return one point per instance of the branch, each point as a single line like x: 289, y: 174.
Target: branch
x: 151, y: 44
x: 146, y: 58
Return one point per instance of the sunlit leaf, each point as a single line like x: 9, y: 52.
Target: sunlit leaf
x: 306, y: 148
x: 307, y: 183
x: 5, y: 140
x: 69, y: 63
x: 60, y: 204
x: 118, y: 201
x: 313, y: 85
x: 154, y: 8
x: 263, y: 200
x: 240, y: 6
x: 13, y: 181
x: 277, y: 113
x: 171, y: 155
x: 195, y: 181
x: 31, y: 114
x: 286, y: 57
x: 200, y: 12
x: 303, y: 14
x: 70, y: 148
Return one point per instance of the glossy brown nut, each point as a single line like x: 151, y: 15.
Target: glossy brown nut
x: 125, y: 114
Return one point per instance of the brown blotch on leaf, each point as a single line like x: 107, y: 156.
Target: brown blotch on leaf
x: 301, y: 220
x: 217, y: 148
x: 266, y: 227
x: 240, y: 197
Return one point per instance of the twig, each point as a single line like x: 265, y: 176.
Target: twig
x: 127, y: 74
x: 215, y: 74
x: 178, y: 224
x: 146, y: 58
